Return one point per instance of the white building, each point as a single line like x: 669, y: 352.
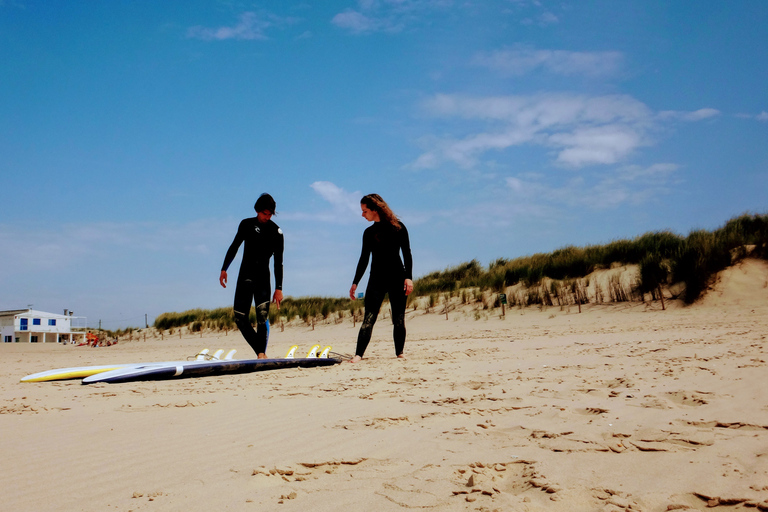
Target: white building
x: 31, y: 326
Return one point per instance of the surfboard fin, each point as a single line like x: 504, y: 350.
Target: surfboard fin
x: 313, y: 351
x: 202, y: 355
x: 325, y: 352
x: 291, y: 352
x: 230, y: 354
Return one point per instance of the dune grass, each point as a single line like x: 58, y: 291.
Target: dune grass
x: 548, y: 279
x: 304, y: 308
x: 662, y: 256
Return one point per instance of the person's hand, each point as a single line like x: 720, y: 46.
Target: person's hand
x: 352, y: 291
x: 277, y: 297
x: 408, y: 286
x: 223, y: 278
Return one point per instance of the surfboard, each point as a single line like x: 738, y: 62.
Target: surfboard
x: 79, y: 372
x: 205, y: 368
x: 76, y: 372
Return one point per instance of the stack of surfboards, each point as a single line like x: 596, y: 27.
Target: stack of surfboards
x: 201, y: 365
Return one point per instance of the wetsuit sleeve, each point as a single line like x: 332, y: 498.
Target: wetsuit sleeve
x: 232, y: 251
x: 365, y: 255
x: 405, y: 247
x: 279, y: 244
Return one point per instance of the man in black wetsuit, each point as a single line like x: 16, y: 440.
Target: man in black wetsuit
x: 263, y: 239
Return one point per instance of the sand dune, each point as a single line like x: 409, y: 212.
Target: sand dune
x: 621, y: 407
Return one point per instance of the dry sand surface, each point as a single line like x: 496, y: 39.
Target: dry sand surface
x: 620, y: 407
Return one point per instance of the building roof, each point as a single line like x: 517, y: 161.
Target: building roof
x: 33, y: 312
x: 14, y: 312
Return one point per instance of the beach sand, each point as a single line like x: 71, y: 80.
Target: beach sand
x: 620, y: 407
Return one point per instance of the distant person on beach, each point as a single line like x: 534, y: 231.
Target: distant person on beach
x: 263, y: 239
x: 383, y: 242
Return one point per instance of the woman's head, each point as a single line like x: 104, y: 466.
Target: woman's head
x: 374, y: 204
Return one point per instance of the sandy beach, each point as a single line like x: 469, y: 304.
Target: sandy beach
x: 620, y: 407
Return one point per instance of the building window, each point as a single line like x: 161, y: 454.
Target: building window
x: 9, y: 339
x: 35, y: 321
x: 23, y: 323
x: 33, y: 339
x: 52, y: 321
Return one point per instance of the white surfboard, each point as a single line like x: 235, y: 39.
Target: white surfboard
x: 79, y: 372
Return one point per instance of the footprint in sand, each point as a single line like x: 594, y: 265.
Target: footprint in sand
x: 620, y: 500
x: 301, y: 471
x: 377, y: 423
x: 670, y: 440
x: 688, y: 398
x: 487, y: 482
x: 753, y: 501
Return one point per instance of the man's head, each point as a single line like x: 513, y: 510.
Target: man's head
x: 265, y: 207
x: 265, y: 202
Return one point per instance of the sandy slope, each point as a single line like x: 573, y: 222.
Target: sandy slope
x: 621, y: 407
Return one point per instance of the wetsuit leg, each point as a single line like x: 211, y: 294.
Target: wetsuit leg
x: 262, y: 327
x: 374, y: 296
x: 245, y: 293
x: 397, y: 299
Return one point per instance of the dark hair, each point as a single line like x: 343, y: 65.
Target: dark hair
x: 375, y: 203
x: 265, y: 202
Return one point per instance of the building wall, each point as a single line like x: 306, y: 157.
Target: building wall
x: 62, y: 322
x: 11, y: 325
x: 5, y: 331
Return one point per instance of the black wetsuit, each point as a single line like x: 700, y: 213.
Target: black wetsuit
x: 262, y: 241
x: 388, y: 274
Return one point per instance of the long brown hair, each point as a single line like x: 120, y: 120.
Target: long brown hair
x: 375, y: 203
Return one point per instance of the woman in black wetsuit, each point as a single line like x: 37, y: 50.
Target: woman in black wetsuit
x: 382, y: 243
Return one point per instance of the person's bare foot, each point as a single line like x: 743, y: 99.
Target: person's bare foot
x: 356, y: 359
x: 262, y: 356
x: 400, y: 356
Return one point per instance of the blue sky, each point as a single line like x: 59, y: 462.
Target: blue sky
x: 135, y: 135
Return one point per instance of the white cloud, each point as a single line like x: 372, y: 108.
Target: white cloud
x: 540, y: 110
x: 544, y: 19
x: 249, y: 27
x: 547, y: 18
x: 355, y: 21
x: 632, y: 184
x: 605, y: 189
x: 386, y: 15
x: 596, y: 145
x: 520, y: 61
x: 515, y: 184
x: 583, y: 130
x: 762, y: 116
x: 341, y: 200
x: 696, y: 115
